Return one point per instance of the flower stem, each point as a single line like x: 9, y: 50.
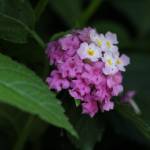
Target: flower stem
x: 89, y: 11
x: 40, y: 7
x: 37, y: 38
x: 24, y: 134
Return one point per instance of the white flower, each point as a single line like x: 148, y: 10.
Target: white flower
x: 110, y: 64
x: 109, y: 42
x: 89, y: 51
x: 96, y: 38
x: 121, y: 62
x: 111, y: 37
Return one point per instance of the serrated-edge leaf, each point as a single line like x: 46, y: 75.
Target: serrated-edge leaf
x: 30, y: 94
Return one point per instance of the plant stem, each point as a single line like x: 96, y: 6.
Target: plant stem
x: 32, y: 32
x: 24, y: 134
x: 89, y: 11
x: 40, y: 7
x: 37, y: 38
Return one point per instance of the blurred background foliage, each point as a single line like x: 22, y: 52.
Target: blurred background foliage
x: 23, y: 25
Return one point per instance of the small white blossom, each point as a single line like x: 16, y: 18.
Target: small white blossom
x: 109, y: 42
x: 110, y: 64
x: 121, y: 62
x: 96, y: 38
x: 111, y: 37
x: 89, y: 51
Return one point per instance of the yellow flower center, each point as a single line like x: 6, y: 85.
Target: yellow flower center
x: 91, y: 52
x: 99, y: 43
x: 118, y: 62
x: 108, y: 44
x: 109, y: 62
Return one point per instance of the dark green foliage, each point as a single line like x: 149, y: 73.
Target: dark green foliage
x: 15, y: 19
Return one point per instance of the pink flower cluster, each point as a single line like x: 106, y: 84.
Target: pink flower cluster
x: 84, y: 79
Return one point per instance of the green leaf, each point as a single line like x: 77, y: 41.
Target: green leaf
x: 67, y: 9
x: 77, y: 102
x: 16, y: 17
x: 21, y: 88
x: 137, y: 11
x: 88, y: 12
x: 105, y: 26
x: 90, y: 132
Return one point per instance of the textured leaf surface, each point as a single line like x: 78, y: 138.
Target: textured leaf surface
x: 21, y: 88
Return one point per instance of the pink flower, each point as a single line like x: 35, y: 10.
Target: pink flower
x: 54, y: 52
x: 114, y: 80
x: 102, y: 93
x: 79, y: 88
x: 71, y: 67
x: 69, y: 42
x: 92, y: 73
x: 90, y: 108
x: 84, y: 35
x: 107, y: 106
x: 129, y: 96
x: 56, y: 81
x: 87, y: 64
x: 117, y: 90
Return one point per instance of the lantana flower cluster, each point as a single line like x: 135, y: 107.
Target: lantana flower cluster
x: 89, y: 66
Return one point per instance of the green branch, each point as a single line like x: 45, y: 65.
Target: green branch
x: 88, y: 12
x: 36, y: 37
x: 30, y: 31
x: 40, y: 7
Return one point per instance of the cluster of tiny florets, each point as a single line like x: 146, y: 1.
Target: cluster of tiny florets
x: 89, y: 66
